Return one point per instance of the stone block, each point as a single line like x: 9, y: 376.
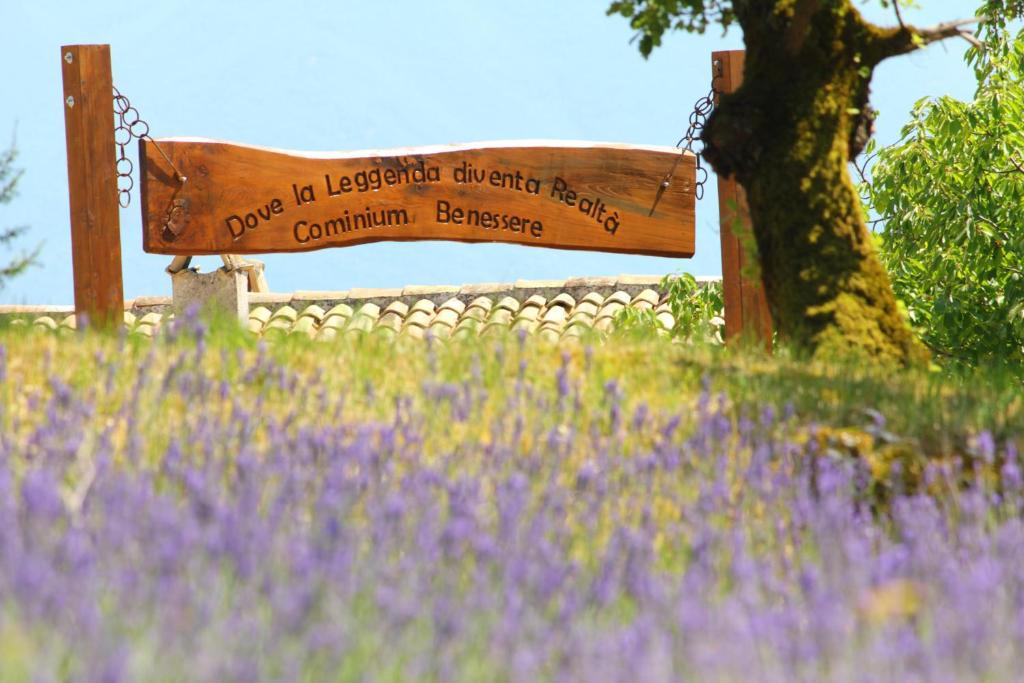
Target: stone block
x: 219, y: 290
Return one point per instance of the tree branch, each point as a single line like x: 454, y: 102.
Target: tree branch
x: 1018, y: 167
x: 904, y: 39
x: 899, y: 16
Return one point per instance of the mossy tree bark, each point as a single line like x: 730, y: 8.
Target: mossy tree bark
x: 788, y: 134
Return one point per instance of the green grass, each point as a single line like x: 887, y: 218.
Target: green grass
x: 939, y: 412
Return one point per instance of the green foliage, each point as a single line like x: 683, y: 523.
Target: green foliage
x: 695, y: 308
x: 949, y: 196
x: 9, y: 177
x: 652, y: 18
x: 634, y: 323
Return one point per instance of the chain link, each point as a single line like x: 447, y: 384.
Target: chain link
x: 130, y: 125
x: 698, y: 119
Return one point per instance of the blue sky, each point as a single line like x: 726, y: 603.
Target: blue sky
x: 362, y: 75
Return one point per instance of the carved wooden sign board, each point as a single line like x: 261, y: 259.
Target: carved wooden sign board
x: 239, y: 199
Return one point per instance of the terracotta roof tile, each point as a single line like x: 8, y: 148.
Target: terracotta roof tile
x: 563, y: 300
x: 552, y: 310
x: 586, y: 308
x: 369, y: 310
x: 610, y: 310
x: 274, y: 333
x: 284, y: 313
x: 508, y: 303
x: 45, y: 322
x: 554, y: 314
x: 446, y: 316
x: 326, y: 334
x: 306, y: 324
x: 475, y: 312
x: 360, y: 323
x: 454, y: 304
x: 534, y: 300
x: 418, y: 318
x: 390, y: 320
x: 576, y: 331
x: 482, y: 302
x: 398, y: 308
x: 440, y: 330
x: 494, y: 327
x: 618, y: 296
x: 648, y: 296
x: 528, y: 313
x: 414, y: 331
x: 386, y: 332
x: 312, y: 311
x: 581, y: 318
x: 500, y: 316
x: 548, y: 334
x: 425, y: 305
x: 524, y: 324
x: 339, y: 310
x: 260, y: 314
x: 334, y: 322
x: 467, y: 324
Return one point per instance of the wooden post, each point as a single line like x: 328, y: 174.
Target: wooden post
x: 746, y: 308
x: 92, y: 183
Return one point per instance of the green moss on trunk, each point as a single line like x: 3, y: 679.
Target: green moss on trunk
x: 786, y: 134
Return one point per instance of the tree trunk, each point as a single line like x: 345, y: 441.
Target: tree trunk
x: 787, y: 135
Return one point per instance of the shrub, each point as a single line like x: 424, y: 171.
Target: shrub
x: 948, y: 196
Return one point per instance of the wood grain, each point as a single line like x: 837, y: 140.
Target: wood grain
x: 746, y: 308
x: 244, y: 200
x: 92, y: 183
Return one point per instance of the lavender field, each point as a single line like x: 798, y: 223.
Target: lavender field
x: 204, y: 507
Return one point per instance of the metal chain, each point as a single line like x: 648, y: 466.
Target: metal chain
x: 131, y: 126
x: 698, y: 119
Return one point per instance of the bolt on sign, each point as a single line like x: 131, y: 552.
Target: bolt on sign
x: 209, y: 197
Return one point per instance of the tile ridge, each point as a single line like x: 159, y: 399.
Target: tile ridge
x: 520, y: 290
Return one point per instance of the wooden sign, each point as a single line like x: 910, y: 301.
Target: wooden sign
x: 237, y: 199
